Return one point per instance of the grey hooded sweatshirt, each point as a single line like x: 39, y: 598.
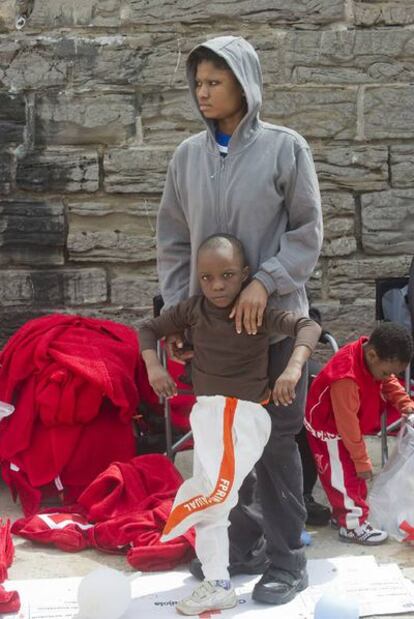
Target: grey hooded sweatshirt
x: 265, y: 192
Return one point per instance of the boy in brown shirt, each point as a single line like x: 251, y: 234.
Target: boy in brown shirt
x: 230, y: 425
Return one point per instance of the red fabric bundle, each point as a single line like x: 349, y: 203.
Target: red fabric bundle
x: 123, y: 510
x: 73, y: 382
x: 9, y: 601
x: 6, y: 549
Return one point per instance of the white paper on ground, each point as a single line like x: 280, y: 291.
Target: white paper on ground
x: 380, y: 590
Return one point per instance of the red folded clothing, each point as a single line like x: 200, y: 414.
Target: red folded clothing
x: 6, y: 549
x: 123, y: 511
x: 9, y: 601
x: 73, y: 383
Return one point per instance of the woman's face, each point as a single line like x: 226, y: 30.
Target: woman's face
x: 219, y: 94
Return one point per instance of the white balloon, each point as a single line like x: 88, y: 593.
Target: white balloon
x: 334, y: 606
x: 103, y: 594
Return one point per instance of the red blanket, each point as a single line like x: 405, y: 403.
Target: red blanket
x: 73, y: 382
x: 123, y: 510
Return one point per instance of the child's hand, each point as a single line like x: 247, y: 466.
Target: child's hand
x: 367, y: 475
x: 284, y: 389
x: 161, y: 382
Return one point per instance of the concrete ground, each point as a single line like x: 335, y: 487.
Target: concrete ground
x: 36, y: 561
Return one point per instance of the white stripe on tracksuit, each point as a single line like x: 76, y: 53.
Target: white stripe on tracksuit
x: 229, y: 438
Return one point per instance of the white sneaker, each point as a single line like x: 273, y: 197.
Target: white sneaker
x: 364, y: 534
x: 207, y: 596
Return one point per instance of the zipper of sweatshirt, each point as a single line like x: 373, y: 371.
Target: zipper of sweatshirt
x: 220, y: 195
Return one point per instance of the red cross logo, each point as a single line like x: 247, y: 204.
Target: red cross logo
x: 209, y: 613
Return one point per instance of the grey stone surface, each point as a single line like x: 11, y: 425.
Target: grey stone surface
x: 362, y: 272
x: 59, y: 13
x: 101, y: 231
x: 347, y: 319
x: 314, y: 112
x: 402, y: 169
x: 53, y: 288
x: 168, y: 117
x: 7, y: 14
x: 339, y: 224
x: 12, y: 118
x: 31, y: 232
x: 6, y: 163
x: 136, y: 170
x: 387, y: 13
x: 135, y: 289
x: 350, y: 56
x: 388, y: 222
x: 296, y: 12
x: 88, y: 118
x: 389, y: 112
x: 358, y: 168
x: 58, y: 170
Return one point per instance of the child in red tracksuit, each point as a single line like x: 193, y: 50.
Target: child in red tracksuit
x: 344, y: 403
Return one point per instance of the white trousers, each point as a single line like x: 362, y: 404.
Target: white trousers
x: 229, y: 437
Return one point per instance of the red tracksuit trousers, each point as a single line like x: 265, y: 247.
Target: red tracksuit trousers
x: 346, y: 492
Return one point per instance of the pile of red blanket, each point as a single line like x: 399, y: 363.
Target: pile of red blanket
x: 123, y: 510
x: 73, y: 382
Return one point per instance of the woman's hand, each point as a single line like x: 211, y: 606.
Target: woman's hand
x: 176, y: 349
x: 249, y: 307
x: 284, y: 389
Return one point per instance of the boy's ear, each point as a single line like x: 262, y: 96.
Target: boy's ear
x: 246, y: 273
x: 372, y: 354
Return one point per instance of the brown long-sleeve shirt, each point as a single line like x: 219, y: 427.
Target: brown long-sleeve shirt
x: 225, y: 362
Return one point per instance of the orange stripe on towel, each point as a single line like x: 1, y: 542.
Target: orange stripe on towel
x: 225, y: 478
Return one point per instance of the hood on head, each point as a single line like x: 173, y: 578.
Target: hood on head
x: 242, y: 59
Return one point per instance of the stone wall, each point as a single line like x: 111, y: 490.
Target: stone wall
x: 93, y: 102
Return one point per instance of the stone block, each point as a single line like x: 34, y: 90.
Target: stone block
x: 52, y: 288
x: 388, y: 222
x: 314, y: 112
x: 402, y: 169
x: 386, y: 13
x: 27, y: 63
x: 350, y: 56
x: 7, y: 15
x: 358, y: 168
x: 136, y: 170
x: 296, y: 12
x: 352, y: 279
x: 93, y: 118
x: 134, y: 289
x: 339, y: 224
x: 58, y: 170
x: 347, y: 321
x: 169, y: 117
x: 31, y: 232
x: 110, y: 59
x: 60, y: 13
x: 12, y: 118
x: 105, y: 231
x: 389, y: 112
x: 6, y: 163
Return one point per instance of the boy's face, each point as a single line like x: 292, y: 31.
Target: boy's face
x: 383, y: 368
x: 221, y: 274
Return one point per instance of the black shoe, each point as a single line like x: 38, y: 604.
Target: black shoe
x: 278, y: 586
x: 317, y: 515
x: 251, y: 567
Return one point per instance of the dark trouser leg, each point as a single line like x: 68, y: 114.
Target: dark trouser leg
x: 247, y: 542
x: 279, y: 473
x: 310, y: 474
